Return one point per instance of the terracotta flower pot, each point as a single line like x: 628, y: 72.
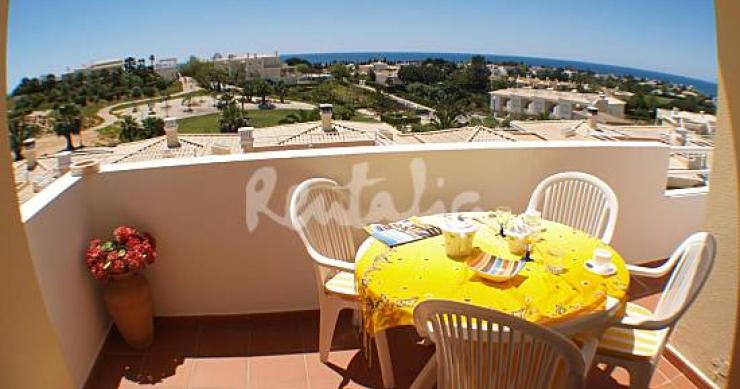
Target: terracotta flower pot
x: 128, y: 299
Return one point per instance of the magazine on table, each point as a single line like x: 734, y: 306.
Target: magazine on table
x: 402, y: 232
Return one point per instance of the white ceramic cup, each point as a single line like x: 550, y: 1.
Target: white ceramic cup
x: 602, y: 257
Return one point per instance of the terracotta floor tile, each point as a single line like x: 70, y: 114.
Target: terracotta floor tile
x: 278, y: 372
x: 230, y: 372
x: 668, y: 369
x: 165, y: 370
x: 225, y: 321
x: 659, y: 379
x: 335, y: 374
x: 621, y: 376
x: 284, y: 354
x: 223, y: 342
x: 681, y: 382
x: 276, y: 335
x: 114, y: 371
x: 346, y: 335
x: 174, y: 336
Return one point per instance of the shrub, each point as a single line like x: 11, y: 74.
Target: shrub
x: 400, y: 118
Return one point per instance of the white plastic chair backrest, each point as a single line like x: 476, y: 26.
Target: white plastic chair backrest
x: 578, y: 200
x: 695, y: 261
x: 483, y: 348
x: 318, y: 214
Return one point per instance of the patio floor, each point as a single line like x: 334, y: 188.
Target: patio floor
x: 280, y: 351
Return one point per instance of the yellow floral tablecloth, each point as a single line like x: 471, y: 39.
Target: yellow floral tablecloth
x: 391, y: 281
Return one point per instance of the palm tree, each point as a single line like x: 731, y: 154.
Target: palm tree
x: 248, y: 90
x: 151, y: 60
x: 232, y: 118
x: 262, y: 89
x: 301, y: 116
x: 130, y: 129
x: 67, y: 121
x: 450, y: 103
x: 187, y: 102
x: 281, y: 88
x: 225, y: 99
x: 152, y: 127
x: 243, y: 100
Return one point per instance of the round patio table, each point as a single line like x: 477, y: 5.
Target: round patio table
x: 392, y: 281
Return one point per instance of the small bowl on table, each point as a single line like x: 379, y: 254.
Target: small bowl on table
x: 496, y: 269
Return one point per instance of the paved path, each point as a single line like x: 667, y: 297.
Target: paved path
x: 401, y: 100
x: 51, y: 143
x: 200, y: 105
x: 188, y: 85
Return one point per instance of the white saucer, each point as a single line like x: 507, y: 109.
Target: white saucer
x: 605, y: 270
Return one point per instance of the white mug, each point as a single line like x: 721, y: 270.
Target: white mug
x: 602, y: 257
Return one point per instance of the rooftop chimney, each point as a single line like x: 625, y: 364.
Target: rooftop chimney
x: 64, y: 159
x: 326, y: 116
x: 170, y: 131
x: 246, y: 138
x: 29, y: 153
x: 592, y: 113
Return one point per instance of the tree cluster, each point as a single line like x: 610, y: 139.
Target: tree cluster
x: 136, y: 79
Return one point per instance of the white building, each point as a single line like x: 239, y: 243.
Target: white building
x: 100, y: 65
x: 700, y: 123
x: 265, y: 66
x: 497, y: 70
x: 388, y: 76
x: 167, y: 68
x: 557, y: 104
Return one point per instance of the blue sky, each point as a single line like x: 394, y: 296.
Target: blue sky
x: 665, y: 35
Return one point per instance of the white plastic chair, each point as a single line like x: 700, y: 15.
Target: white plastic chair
x: 654, y: 272
x: 578, y: 200
x: 637, y: 342
x: 317, y: 212
x: 483, y: 348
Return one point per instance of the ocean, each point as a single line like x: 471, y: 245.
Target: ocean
x: 706, y: 87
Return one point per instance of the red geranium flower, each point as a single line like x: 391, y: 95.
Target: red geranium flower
x: 128, y: 251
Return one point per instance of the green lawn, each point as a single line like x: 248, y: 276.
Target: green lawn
x: 208, y: 124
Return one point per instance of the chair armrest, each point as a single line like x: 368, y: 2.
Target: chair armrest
x: 651, y: 272
x: 335, y: 264
x: 632, y: 322
x: 642, y: 323
x: 331, y: 263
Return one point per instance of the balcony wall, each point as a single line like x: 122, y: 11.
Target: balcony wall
x: 57, y: 225
x: 218, y: 255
